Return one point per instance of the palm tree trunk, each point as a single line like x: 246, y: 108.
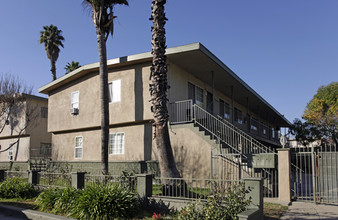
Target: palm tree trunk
x: 53, y: 69
x: 103, y: 70
x: 158, y: 92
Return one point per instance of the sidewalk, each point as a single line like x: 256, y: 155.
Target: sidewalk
x: 303, y: 210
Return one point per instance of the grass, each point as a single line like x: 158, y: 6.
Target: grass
x: 273, y: 211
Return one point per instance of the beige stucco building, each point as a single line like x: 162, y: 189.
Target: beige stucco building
x: 26, y: 131
x: 194, y: 74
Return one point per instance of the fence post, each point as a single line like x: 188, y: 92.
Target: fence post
x: 2, y: 175
x: 33, y: 177
x: 78, y: 180
x: 284, y: 175
x: 145, y: 185
x: 254, y: 192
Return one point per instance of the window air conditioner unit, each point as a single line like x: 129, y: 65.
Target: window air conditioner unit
x: 74, y: 111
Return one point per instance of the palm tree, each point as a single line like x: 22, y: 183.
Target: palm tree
x: 103, y: 16
x: 158, y: 91
x: 52, y: 39
x: 72, y: 66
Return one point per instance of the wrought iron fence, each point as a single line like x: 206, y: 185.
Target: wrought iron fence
x: 129, y: 182
x: 55, y: 179
x: 191, y: 188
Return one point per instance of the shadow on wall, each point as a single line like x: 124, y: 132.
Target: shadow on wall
x: 188, y: 163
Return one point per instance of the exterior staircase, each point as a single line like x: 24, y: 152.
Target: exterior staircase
x: 234, y: 146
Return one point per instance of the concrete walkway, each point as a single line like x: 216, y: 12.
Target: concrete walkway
x: 303, y: 210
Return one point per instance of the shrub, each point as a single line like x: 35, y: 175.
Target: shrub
x: 47, y: 199
x: 15, y: 188
x: 58, y: 200
x: 191, y: 211
x: 220, y: 206
x: 104, y: 202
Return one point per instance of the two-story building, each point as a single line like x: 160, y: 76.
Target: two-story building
x: 25, y: 133
x: 203, y: 92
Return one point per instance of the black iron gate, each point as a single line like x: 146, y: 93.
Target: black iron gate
x: 314, y: 173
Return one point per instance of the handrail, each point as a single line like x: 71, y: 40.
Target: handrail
x: 236, y: 139
x: 228, y: 134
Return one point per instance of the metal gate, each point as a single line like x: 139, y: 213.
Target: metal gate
x: 314, y: 174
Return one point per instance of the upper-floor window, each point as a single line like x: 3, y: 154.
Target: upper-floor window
x: 273, y: 134
x: 254, y: 124
x: 195, y: 93
x: 115, y: 91
x: 116, y: 143
x: 78, y: 147
x: 75, y: 99
x: 238, y: 116
x: 44, y: 112
x: 224, y: 109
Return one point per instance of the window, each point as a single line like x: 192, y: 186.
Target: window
x: 273, y: 135
x: 196, y: 94
x: 254, y: 124
x: 238, y: 116
x: 224, y: 109
x: 44, y: 112
x: 116, y: 143
x: 78, y: 147
x: 115, y: 91
x: 75, y: 99
x: 45, y: 149
x: 10, y: 153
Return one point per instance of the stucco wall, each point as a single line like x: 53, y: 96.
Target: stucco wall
x: 20, y: 150
x: 137, y: 144
x: 192, y: 153
x: 134, y: 105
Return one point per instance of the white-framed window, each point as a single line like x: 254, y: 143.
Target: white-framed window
x: 114, y: 91
x: 78, y: 147
x: 44, y: 112
x: 10, y: 153
x: 116, y: 143
x: 75, y: 99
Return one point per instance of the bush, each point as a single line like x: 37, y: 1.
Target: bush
x: 221, y: 206
x: 58, y: 200
x: 105, y: 202
x: 191, y: 211
x: 14, y: 188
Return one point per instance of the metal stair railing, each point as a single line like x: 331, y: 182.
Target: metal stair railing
x: 236, y: 139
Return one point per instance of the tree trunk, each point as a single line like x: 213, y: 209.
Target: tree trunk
x: 158, y: 92
x: 103, y: 70
x: 53, y: 69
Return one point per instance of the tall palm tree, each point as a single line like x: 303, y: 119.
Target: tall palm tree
x: 103, y: 16
x: 72, y: 66
x: 52, y: 39
x: 158, y: 91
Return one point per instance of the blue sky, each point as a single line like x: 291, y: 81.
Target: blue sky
x: 283, y: 49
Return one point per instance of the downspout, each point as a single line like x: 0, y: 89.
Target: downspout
x: 213, y: 93
x: 232, y: 105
